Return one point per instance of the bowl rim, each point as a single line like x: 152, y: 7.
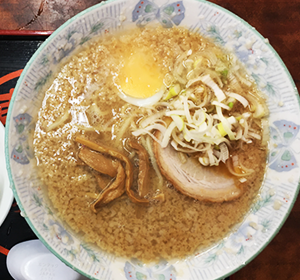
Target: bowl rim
x: 43, y: 46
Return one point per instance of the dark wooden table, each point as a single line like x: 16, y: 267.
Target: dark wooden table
x: 277, y: 20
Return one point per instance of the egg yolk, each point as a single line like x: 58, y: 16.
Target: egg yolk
x: 140, y: 76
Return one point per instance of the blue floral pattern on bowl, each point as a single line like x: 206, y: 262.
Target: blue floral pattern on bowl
x: 281, y: 156
x: 22, y: 150
x: 167, y: 15
x: 136, y: 270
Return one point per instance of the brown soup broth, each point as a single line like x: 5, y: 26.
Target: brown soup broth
x: 83, y: 101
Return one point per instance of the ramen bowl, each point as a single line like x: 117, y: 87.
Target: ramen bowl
x: 280, y: 186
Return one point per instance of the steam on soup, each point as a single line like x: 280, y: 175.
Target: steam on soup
x: 151, y: 143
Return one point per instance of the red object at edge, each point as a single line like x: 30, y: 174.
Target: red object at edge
x: 5, y: 98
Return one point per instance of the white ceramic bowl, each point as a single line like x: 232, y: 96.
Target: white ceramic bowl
x: 6, y: 194
x: 279, y: 189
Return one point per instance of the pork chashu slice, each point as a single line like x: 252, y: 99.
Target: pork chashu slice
x: 193, y: 179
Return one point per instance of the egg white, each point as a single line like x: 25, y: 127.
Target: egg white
x: 142, y: 102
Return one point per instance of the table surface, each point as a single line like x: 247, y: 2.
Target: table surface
x: 277, y: 20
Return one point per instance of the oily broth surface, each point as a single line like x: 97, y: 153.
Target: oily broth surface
x: 175, y: 228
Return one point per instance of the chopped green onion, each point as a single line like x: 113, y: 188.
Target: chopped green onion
x: 230, y: 105
x: 209, y: 82
x: 204, y: 161
x: 224, y: 73
x: 221, y: 129
x: 226, y: 124
x: 199, y: 60
x: 240, y: 98
x: 216, y: 103
x: 178, y: 121
x: 260, y: 111
x: 167, y: 134
x: 231, y: 120
x: 173, y: 91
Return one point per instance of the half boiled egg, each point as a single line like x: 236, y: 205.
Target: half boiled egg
x: 140, y: 80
